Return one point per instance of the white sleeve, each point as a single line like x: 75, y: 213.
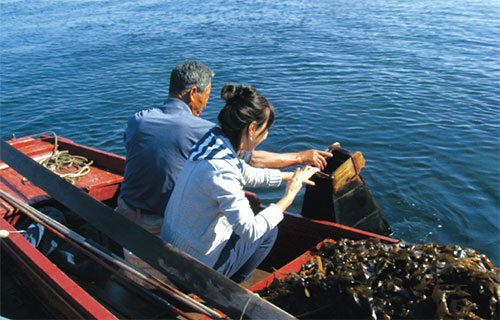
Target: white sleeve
x: 232, y: 202
x: 260, y: 177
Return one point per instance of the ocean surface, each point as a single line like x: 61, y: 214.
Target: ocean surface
x: 413, y: 85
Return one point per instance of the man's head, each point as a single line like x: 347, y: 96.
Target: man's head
x: 190, y: 81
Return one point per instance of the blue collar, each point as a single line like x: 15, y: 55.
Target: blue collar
x: 215, y: 145
x: 175, y: 104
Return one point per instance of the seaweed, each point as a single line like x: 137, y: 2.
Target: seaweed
x: 372, y: 279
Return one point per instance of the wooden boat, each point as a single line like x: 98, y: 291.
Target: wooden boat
x: 341, y: 195
x: 90, y: 202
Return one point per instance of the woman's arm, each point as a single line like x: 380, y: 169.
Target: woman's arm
x: 299, y: 177
x: 261, y: 177
x: 231, y: 201
x: 226, y: 189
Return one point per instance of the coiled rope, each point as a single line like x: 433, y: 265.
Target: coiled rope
x: 65, y: 165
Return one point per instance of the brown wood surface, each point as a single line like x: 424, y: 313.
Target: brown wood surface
x: 347, y: 172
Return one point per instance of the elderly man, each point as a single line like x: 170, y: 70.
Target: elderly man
x: 158, y: 142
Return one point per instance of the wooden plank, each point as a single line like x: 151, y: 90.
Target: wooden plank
x: 13, y: 182
x: 182, y: 269
x: 103, y: 159
x: 347, y: 172
x: 102, y: 184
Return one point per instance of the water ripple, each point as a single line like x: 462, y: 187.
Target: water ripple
x: 413, y: 85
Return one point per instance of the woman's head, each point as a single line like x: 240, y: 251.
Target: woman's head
x: 246, y: 117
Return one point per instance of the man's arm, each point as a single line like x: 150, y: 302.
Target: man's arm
x: 265, y: 159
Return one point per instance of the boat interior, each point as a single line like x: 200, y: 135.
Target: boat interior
x: 124, y: 297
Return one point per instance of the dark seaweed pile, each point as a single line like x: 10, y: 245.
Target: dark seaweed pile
x: 371, y: 279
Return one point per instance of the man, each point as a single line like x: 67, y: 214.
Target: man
x: 158, y: 142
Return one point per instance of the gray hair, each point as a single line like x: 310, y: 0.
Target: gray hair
x: 188, y: 74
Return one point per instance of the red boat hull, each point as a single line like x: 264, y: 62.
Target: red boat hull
x: 63, y: 297
x: 58, y: 294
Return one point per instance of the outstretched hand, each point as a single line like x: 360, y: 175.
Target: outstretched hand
x: 300, y: 177
x: 316, y: 158
x: 295, y: 182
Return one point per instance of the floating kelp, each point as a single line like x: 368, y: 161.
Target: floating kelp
x: 371, y: 279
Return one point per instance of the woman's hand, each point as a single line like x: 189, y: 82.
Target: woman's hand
x: 299, y: 177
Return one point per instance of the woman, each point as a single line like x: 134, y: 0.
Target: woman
x: 208, y: 215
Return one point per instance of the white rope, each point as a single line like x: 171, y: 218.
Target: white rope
x: 246, y: 305
x: 69, y: 167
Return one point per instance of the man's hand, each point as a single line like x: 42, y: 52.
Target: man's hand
x: 314, y: 158
x: 264, y: 159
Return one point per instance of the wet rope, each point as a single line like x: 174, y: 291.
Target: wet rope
x: 246, y: 304
x: 324, y: 175
x: 65, y: 165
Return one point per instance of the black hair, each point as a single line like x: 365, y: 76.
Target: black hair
x: 188, y: 74
x: 244, y: 104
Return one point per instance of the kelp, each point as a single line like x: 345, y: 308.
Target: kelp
x: 372, y: 279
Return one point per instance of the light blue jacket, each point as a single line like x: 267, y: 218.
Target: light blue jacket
x: 208, y: 204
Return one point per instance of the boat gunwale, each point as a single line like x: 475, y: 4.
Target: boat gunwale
x: 118, y: 162
x: 49, y: 284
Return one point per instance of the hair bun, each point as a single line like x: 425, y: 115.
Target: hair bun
x: 245, y: 92
x: 228, y: 91
x: 232, y: 94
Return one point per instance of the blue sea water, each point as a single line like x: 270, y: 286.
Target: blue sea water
x: 413, y: 85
